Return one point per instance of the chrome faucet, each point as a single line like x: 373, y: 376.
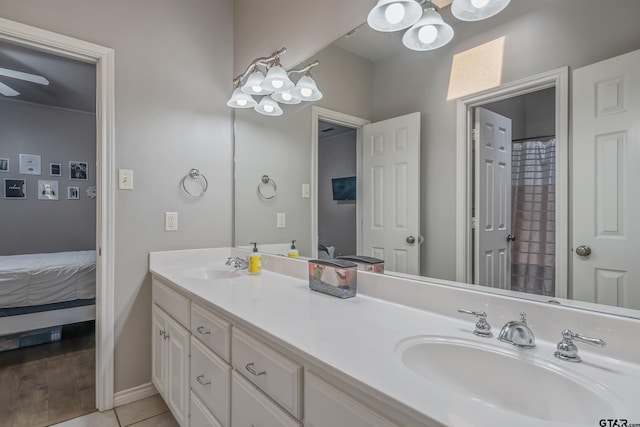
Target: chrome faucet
x: 237, y: 262
x: 568, y: 351
x: 518, y: 333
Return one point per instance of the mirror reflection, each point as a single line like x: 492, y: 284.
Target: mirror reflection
x: 370, y: 77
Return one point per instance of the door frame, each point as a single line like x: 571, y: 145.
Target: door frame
x: 326, y: 115
x: 103, y: 58
x: 558, y: 78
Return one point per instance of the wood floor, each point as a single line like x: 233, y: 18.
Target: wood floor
x: 49, y: 383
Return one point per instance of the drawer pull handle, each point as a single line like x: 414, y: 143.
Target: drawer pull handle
x: 249, y: 368
x: 202, y: 331
x: 201, y: 381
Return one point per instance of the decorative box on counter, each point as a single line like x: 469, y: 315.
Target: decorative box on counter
x: 337, y: 277
x: 365, y: 263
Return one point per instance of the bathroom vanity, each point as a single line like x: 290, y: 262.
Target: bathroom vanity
x: 232, y: 349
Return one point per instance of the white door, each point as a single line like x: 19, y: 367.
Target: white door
x: 391, y: 192
x: 606, y: 173
x: 492, y: 258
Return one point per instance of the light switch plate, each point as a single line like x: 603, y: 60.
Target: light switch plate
x: 306, y: 191
x: 125, y: 179
x: 281, y: 220
x: 171, y: 221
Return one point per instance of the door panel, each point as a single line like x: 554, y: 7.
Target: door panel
x: 606, y: 154
x: 391, y: 192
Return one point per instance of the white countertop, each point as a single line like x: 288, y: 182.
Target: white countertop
x: 358, y: 338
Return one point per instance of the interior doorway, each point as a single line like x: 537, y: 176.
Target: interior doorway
x: 514, y: 198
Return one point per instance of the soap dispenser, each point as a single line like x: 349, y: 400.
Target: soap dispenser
x: 255, y: 260
x: 293, y: 252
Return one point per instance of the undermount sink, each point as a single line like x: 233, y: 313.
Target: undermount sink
x: 510, y: 380
x: 210, y: 273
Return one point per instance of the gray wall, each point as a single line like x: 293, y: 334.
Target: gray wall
x: 336, y: 218
x: 173, y: 77
x: 58, y: 136
x: 531, y: 115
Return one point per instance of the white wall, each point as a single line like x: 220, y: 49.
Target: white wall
x: 173, y: 76
x: 57, y: 136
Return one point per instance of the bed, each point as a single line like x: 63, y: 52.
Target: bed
x: 44, y: 290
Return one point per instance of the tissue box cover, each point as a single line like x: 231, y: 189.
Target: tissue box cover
x: 365, y: 263
x: 335, y: 277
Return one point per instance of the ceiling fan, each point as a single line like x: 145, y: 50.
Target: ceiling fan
x: 33, y: 78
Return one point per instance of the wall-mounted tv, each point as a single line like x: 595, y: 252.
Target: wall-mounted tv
x: 344, y: 188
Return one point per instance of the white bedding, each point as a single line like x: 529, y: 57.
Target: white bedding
x: 37, y: 279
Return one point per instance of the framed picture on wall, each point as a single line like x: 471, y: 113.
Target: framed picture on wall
x: 30, y: 164
x: 4, y: 165
x: 78, y: 170
x: 73, y: 193
x: 55, y: 169
x: 15, y: 188
x: 48, y: 190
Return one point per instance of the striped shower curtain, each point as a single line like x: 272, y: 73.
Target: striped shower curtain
x: 533, y: 216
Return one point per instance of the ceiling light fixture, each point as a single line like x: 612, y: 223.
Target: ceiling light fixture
x: 276, y: 83
x: 427, y: 30
x: 475, y: 10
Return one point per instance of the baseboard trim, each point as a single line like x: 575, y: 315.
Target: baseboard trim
x: 136, y: 393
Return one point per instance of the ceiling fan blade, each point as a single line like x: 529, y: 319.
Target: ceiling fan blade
x: 7, y: 91
x: 23, y: 76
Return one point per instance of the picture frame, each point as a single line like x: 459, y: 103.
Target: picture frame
x: 4, y: 165
x: 15, y: 188
x: 78, y: 170
x: 73, y: 193
x: 30, y: 164
x: 55, y: 169
x: 48, y: 190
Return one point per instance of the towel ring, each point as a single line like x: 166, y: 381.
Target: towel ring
x: 266, y: 181
x: 195, y: 175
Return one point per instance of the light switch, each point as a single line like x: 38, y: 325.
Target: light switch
x: 306, y: 191
x: 281, y: 220
x: 171, y: 221
x: 125, y: 179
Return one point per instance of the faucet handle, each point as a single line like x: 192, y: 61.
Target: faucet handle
x: 567, y: 350
x: 483, y: 329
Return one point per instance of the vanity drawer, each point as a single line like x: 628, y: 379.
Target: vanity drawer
x: 171, y: 301
x: 273, y: 373
x: 200, y: 416
x: 210, y: 380
x: 249, y: 407
x: 212, y: 330
x: 326, y: 406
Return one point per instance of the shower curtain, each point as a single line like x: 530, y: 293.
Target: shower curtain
x: 533, y: 216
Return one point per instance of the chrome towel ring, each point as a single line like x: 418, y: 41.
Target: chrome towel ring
x: 195, y: 175
x: 267, y: 188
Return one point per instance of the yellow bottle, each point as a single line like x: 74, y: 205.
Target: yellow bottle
x: 293, y: 252
x: 255, y: 260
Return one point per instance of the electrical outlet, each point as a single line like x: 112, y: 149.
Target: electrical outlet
x: 171, y: 221
x: 281, y: 220
x: 125, y: 179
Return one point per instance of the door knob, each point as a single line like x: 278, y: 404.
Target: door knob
x: 411, y: 240
x: 583, y: 250
x: 511, y: 238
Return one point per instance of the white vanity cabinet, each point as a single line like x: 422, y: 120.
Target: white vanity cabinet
x: 170, y: 354
x: 327, y: 406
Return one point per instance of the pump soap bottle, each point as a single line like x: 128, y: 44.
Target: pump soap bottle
x: 255, y: 260
x: 293, y: 252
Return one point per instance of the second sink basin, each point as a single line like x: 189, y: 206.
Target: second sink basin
x: 210, y: 273
x: 512, y: 382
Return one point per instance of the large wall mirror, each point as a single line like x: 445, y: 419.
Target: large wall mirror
x: 371, y: 77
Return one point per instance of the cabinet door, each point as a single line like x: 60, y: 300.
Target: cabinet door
x: 178, y: 371
x: 326, y: 406
x: 200, y: 415
x: 158, y: 359
x: 250, y: 407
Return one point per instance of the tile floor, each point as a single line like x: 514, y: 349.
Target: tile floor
x: 149, y: 412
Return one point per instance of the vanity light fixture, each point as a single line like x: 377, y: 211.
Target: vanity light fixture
x: 476, y: 10
x: 277, y: 86
x: 428, y: 30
